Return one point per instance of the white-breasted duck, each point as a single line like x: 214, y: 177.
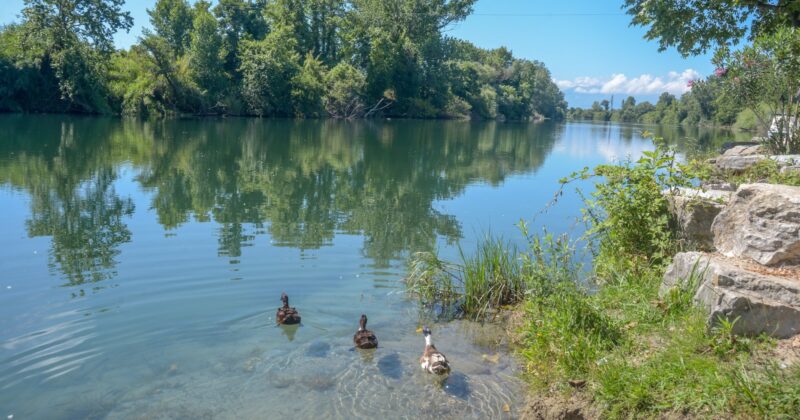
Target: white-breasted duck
x: 364, y: 338
x: 287, y: 315
x: 432, y: 360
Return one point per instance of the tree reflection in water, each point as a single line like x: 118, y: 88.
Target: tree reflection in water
x: 302, y: 182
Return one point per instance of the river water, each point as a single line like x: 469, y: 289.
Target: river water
x: 142, y: 262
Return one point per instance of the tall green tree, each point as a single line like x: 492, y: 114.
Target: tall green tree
x: 239, y: 20
x: 267, y: 68
x: 75, y: 39
x: 206, y: 64
x: 173, y: 21
x: 308, y: 88
x: 62, y: 22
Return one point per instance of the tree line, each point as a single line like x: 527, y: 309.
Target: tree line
x: 707, y: 103
x: 277, y: 58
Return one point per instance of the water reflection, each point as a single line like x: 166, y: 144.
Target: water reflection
x: 325, y: 211
x: 300, y: 182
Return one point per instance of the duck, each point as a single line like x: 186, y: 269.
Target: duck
x: 287, y: 315
x: 432, y: 360
x: 364, y: 338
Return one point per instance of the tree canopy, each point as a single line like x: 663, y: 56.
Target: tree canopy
x: 695, y: 26
x: 288, y: 58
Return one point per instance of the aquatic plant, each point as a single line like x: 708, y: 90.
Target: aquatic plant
x: 496, y: 275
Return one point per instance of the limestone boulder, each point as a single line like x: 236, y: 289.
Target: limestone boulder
x: 744, y: 150
x: 737, y: 163
x: 762, y: 222
x: 743, y: 144
x: 786, y: 160
x: 721, y: 186
x: 695, y: 211
x: 756, y: 300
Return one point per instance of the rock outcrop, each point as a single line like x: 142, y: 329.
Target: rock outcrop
x: 736, y: 163
x: 744, y: 150
x: 762, y: 222
x: 791, y: 169
x: 755, y: 300
x: 695, y: 211
x: 740, y: 158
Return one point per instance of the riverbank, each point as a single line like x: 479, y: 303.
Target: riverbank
x: 620, y: 344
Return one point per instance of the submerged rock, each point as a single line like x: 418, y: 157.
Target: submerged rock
x: 755, y: 299
x: 695, y: 211
x: 761, y: 222
x: 318, y: 349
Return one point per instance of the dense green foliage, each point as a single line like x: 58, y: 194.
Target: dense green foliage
x: 695, y: 26
x: 762, y: 78
x: 303, y: 58
x: 56, y: 60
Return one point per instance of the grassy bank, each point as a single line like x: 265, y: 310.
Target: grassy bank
x: 623, y: 347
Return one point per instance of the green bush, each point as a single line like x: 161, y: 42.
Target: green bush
x: 627, y: 214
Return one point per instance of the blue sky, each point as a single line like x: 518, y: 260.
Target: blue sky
x: 588, y: 45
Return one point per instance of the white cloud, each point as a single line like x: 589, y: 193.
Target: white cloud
x: 645, y: 84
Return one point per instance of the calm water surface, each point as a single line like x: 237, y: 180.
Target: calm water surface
x: 142, y: 262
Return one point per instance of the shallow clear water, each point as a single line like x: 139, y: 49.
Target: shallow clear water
x: 143, y: 261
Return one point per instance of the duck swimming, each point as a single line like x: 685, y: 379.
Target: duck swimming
x: 287, y: 315
x: 432, y: 360
x: 364, y: 338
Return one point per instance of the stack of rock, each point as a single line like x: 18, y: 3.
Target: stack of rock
x: 750, y: 273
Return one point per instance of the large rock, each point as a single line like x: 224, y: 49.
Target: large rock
x: 744, y: 144
x: 758, y: 302
x: 741, y: 158
x: 744, y: 150
x: 695, y: 211
x: 761, y: 222
x: 736, y: 163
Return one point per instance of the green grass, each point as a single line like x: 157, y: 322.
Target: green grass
x: 494, y: 276
x: 642, y: 354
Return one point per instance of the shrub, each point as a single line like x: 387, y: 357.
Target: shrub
x: 627, y: 214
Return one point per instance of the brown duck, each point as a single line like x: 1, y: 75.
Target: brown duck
x: 432, y: 360
x: 286, y: 315
x: 364, y: 338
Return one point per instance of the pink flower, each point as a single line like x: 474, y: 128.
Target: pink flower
x: 720, y: 72
x: 690, y: 84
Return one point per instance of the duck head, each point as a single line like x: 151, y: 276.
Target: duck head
x: 362, y: 323
x: 426, y: 332
x: 285, y: 300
